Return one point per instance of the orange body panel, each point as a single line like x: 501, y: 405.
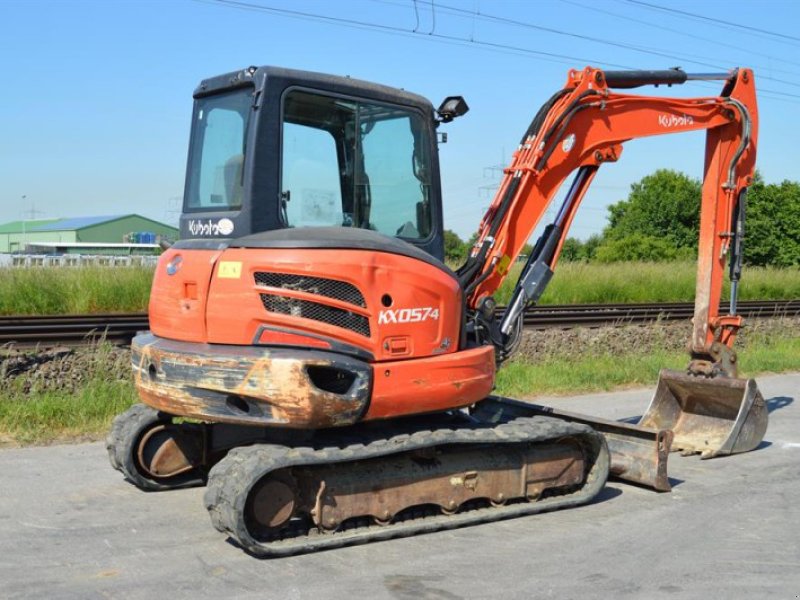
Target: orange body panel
x: 433, y: 384
x: 423, y: 319
x: 276, y: 386
x: 177, y: 307
x: 235, y: 309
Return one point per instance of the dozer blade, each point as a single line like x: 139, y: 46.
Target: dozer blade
x: 709, y: 416
x: 638, y: 454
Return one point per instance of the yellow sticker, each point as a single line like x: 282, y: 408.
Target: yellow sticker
x: 502, y: 266
x: 229, y: 269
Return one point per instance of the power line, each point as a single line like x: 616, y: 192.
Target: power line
x: 508, y: 21
x: 462, y: 12
x: 493, y: 46
x: 551, y: 56
x: 695, y: 59
x: 661, y: 27
x: 790, y: 38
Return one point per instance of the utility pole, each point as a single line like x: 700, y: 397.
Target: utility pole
x: 173, y: 212
x: 30, y: 214
x: 24, y: 237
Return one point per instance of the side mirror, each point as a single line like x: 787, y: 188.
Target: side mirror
x: 451, y: 107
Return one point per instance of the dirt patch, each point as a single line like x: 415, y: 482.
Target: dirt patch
x: 635, y: 339
x: 61, y: 369
x: 68, y: 369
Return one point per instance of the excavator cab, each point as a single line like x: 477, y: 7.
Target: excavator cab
x: 275, y: 148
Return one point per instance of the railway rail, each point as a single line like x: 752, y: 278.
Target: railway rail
x: 71, y: 330
x: 74, y: 330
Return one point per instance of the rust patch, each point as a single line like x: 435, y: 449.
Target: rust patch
x: 256, y: 389
x: 446, y: 477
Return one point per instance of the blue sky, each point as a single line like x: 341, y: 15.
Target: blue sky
x: 96, y: 96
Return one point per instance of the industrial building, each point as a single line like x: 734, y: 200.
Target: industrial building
x: 116, y: 234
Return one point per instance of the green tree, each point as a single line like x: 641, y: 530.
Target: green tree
x: 660, y: 220
x: 639, y: 247
x: 526, y: 249
x: 572, y: 250
x: 590, y: 246
x: 664, y: 205
x: 772, y: 224
x: 576, y: 250
x: 455, y: 250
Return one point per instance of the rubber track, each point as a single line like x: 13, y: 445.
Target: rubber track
x: 125, y: 431
x: 231, y: 479
x: 124, y: 427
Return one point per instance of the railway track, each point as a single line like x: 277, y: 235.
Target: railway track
x: 72, y: 330
x: 596, y: 315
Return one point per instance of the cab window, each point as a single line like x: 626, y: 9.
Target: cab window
x: 354, y: 164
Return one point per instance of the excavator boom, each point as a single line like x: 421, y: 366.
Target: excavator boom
x: 580, y: 128
x: 584, y: 126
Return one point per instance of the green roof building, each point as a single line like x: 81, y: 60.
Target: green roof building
x: 116, y: 229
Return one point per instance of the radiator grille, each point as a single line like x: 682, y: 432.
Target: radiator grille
x: 330, y: 288
x: 317, y: 312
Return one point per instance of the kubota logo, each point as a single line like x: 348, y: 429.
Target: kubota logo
x: 407, y: 315
x: 209, y: 227
x: 675, y: 121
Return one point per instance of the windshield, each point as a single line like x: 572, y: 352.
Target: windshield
x: 217, y: 151
x: 354, y: 164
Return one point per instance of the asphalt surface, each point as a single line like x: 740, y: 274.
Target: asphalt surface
x: 70, y: 527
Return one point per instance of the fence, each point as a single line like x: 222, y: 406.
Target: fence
x: 76, y: 260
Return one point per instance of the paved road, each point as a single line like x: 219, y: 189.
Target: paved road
x: 70, y: 527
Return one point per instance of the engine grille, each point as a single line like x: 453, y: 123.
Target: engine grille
x: 317, y: 312
x: 330, y: 288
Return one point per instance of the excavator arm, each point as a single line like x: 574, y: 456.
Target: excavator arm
x: 580, y: 128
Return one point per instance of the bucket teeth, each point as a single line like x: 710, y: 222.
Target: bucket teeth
x: 709, y: 416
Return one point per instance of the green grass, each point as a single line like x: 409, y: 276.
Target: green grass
x: 45, y: 413
x: 57, y: 416
x: 561, y: 375
x: 52, y: 290
x: 47, y: 290
x: 590, y: 283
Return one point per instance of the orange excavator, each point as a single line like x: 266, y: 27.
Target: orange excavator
x: 313, y: 360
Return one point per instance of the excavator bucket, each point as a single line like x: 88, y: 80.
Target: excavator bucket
x: 709, y: 416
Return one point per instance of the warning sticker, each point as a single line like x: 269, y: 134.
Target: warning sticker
x: 502, y: 266
x: 229, y: 269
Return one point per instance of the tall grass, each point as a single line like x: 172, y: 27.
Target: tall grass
x: 53, y: 290
x: 594, y: 283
